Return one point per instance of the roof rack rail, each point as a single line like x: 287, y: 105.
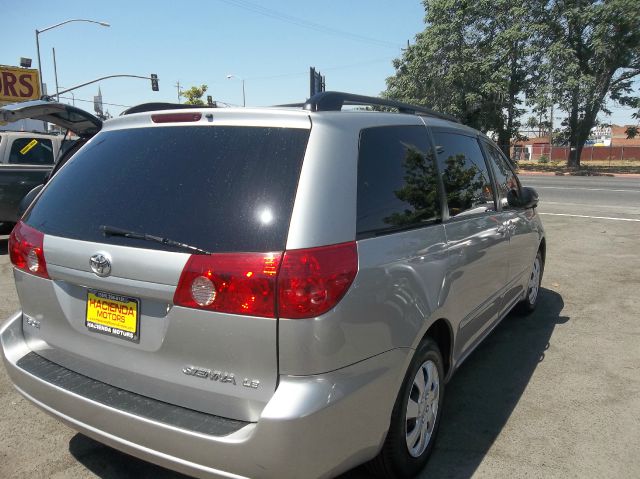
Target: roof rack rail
x: 335, y: 100
x: 155, y: 106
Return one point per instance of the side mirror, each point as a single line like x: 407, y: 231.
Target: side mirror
x: 28, y: 199
x: 528, y: 198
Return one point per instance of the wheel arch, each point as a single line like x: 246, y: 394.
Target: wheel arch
x: 440, y: 331
x: 543, y: 248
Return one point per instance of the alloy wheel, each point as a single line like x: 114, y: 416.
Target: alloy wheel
x: 422, y: 408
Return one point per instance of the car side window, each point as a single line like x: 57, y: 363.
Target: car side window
x: 397, y: 180
x: 506, y: 180
x: 31, y: 151
x: 465, y: 176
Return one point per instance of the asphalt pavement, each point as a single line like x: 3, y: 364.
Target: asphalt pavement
x: 552, y: 395
x: 596, y: 196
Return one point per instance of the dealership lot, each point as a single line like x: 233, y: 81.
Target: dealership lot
x: 555, y: 394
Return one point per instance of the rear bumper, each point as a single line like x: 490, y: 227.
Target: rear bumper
x: 313, y: 426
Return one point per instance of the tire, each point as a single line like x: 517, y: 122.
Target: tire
x: 410, y: 441
x: 529, y: 303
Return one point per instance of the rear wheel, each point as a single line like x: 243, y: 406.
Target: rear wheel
x: 415, y: 417
x: 529, y: 303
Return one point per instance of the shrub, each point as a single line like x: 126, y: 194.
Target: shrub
x: 543, y: 159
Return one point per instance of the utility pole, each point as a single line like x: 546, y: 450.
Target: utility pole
x: 177, y: 85
x: 55, y: 72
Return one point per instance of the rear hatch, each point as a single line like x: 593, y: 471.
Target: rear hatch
x: 120, y: 308
x: 81, y: 122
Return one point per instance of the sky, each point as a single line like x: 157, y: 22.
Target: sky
x: 270, y: 45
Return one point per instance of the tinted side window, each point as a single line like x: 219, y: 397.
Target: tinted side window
x: 31, y: 151
x: 506, y: 179
x: 466, y: 179
x: 397, y: 180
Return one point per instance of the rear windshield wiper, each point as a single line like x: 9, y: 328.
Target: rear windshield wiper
x: 113, y: 231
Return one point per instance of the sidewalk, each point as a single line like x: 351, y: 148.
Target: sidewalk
x: 559, y: 173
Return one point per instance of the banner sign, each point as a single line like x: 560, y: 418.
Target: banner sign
x: 18, y: 84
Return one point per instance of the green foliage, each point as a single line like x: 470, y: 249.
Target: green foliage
x: 592, y: 52
x: 479, y: 60
x: 544, y: 159
x: 471, y: 61
x: 194, y: 95
x: 420, y: 190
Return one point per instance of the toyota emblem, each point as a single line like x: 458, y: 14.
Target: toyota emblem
x: 100, y: 264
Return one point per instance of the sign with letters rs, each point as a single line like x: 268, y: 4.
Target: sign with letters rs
x: 18, y: 84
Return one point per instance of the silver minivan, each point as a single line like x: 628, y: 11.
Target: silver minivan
x: 269, y: 293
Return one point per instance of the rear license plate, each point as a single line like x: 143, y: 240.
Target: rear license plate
x: 114, y: 315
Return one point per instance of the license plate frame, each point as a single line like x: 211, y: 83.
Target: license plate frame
x: 110, y: 314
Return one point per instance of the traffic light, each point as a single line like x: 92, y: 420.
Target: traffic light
x: 154, y: 82
x: 209, y: 100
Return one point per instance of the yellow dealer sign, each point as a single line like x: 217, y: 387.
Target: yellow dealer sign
x: 18, y: 84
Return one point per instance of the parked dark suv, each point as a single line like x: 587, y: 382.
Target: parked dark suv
x: 275, y: 292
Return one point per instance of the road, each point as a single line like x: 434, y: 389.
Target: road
x: 599, y: 196
x: 555, y: 394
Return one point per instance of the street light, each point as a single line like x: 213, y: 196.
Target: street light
x: 229, y: 77
x: 38, y: 32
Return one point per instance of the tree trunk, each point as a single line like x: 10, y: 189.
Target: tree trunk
x: 575, y: 148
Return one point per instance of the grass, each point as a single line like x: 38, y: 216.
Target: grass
x: 587, y: 168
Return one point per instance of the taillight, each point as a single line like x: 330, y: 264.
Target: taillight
x: 312, y: 281
x: 25, y: 250
x: 309, y: 282
x: 238, y: 283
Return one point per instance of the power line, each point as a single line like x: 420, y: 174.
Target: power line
x: 339, y: 67
x: 267, y: 12
x: 91, y: 101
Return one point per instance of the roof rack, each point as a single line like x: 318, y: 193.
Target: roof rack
x: 155, y: 106
x: 335, y: 100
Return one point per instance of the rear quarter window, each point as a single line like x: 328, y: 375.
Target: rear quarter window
x: 397, y: 180
x: 220, y: 188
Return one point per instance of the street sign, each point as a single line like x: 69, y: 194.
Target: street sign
x: 18, y: 84
x: 316, y: 82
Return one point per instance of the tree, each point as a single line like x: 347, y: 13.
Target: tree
x: 593, y: 53
x: 472, y: 61
x: 634, y: 130
x: 194, y: 95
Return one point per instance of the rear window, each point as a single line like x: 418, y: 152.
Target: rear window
x: 221, y: 188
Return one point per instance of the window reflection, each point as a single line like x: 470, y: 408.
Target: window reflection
x: 397, y: 180
x: 464, y: 174
x: 420, y: 190
x: 505, y: 178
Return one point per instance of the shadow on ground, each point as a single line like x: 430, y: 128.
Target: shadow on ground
x: 485, y: 390
x: 108, y: 463
x: 479, y: 400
